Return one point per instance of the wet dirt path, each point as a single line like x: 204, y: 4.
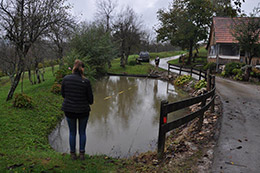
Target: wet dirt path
x: 238, y: 146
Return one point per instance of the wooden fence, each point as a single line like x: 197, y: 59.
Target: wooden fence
x: 191, y: 71
x: 166, y: 108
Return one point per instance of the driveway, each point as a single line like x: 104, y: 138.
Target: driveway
x: 238, y: 146
x: 163, y: 62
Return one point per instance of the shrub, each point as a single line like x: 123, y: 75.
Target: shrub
x: 200, y: 84
x: 211, y: 66
x: 255, y: 72
x: 223, y: 73
x: 182, y: 80
x: 238, y: 74
x: 56, y: 88
x: 59, y: 75
x: 40, y: 65
x: 231, y: 66
x: 132, y: 63
x: 22, y: 101
x: 1, y: 74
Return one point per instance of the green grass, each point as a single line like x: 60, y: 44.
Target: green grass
x: 24, y: 133
x: 144, y: 68
x: 200, y: 61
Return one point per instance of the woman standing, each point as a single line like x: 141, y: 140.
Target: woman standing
x: 77, y: 93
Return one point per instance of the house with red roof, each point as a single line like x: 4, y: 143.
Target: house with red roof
x: 222, y: 46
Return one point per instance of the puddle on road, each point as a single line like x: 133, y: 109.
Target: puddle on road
x: 124, y: 118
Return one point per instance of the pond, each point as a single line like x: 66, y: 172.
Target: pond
x: 124, y: 120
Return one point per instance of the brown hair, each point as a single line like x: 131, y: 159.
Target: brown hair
x: 78, y: 67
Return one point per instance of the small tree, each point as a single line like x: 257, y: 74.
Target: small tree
x: 185, y: 23
x: 105, y: 10
x: 95, y: 45
x: 127, y: 32
x: 247, y: 32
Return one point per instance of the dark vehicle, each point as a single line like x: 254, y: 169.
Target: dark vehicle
x: 143, y: 57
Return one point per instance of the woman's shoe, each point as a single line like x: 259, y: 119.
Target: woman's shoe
x: 73, y: 156
x: 82, y: 156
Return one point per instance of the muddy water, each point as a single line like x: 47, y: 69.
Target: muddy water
x: 124, y: 118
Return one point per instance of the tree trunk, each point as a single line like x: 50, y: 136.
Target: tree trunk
x: 37, y: 75
x: 109, y: 64
x: 122, y: 60
x: 22, y: 82
x: 190, y: 52
x: 195, y: 55
x: 14, y: 85
x: 30, y: 76
x: 11, y: 76
x: 42, y: 74
x: 34, y: 82
x: 52, y: 69
x: 60, y: 54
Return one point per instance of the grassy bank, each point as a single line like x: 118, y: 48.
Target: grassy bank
x: 24, y: 133
x: 144, y: 68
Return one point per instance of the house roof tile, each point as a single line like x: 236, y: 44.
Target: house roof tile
x: 222, y: 28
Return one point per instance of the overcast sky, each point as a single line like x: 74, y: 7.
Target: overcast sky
x: 85, y: 9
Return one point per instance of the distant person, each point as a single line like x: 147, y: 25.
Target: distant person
x: 157, y: 61
x: 77, y: 93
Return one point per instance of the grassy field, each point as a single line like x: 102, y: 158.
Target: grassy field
x: 144, y: 68
x: 200, y: 61
x: 24, y: 133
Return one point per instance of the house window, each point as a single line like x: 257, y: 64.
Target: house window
x: 229, y: 49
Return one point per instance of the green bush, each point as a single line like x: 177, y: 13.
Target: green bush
x: 22, y: 101
x: 255, y: 72
x: 238, y: 74
x: 56, y: 88
x: 231, y: 66
x: 182, y: 80
x: 223, y: 73
x: 200, y: 84
x: 132, y: 63
x: 211, y: 66
x: 1, y: 74
x: 61, y: 73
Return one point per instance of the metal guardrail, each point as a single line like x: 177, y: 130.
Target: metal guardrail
x: 167, y: 108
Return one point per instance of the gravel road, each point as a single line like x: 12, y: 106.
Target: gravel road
x: 238, y: 146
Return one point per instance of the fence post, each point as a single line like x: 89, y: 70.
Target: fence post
x: 208, y: 81
x: 168, y: 69
x: 212, y: 108
x: 201, y: 117
x: 180, y: 70
x: 191, y: 71
x: 200, y: 75
x: 161, y: 137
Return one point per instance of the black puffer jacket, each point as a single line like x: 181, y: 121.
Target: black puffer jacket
x: 77, y: 94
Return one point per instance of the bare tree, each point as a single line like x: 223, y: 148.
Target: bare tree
x: 23, y: 22
x: 105, y: 9
x: 59, y: 34
x: 8, y: 59
x: 128, y: 33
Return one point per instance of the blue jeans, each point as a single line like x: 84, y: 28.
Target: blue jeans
x: 72, y: 122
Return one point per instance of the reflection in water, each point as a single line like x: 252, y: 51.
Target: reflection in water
x: 124, y: 118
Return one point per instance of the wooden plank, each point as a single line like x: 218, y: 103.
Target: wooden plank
x: 188, y: 102
x: 177, y: 123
